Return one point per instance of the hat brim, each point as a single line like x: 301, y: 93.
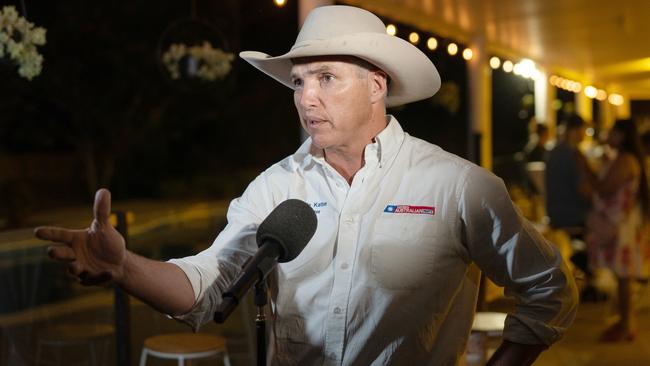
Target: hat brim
x: 412, y: 74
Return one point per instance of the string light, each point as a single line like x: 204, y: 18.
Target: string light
x: 391, y: 30
x: 495, y: 62
x: 414, y: 38
x: 507, y: 66
x: 452, y: 49
x: 590, y: 92
x: 280, y: 3
x: 468, y: 54
x: 601, y: 95
x: 432, y: 43
x: 616, y: 99
x: 566, y: 84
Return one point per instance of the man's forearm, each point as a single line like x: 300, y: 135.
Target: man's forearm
x: 511, y: 354
x: 164, y: 286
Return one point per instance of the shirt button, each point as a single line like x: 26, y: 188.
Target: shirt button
x: 349, y: 220
x: 333, y: 355
x: 344, y: 265
x: 337, y: 310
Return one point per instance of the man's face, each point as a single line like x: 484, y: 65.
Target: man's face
x: 333, y: 99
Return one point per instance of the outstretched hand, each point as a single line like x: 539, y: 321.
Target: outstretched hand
x: 94, y: 255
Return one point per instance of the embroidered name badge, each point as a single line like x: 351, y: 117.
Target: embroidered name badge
x: 408, y: 209
x: 318, y: 205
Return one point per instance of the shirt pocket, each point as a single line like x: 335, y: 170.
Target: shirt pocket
x: 403, y: 252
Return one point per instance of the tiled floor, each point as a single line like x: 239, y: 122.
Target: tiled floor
x: 580, y: 346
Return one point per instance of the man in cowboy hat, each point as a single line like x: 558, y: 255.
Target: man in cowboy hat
x: 390, y: 276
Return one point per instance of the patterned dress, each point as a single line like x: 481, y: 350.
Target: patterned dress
x: 616, y: 237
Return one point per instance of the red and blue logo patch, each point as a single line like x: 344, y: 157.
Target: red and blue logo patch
x: 408, y: 209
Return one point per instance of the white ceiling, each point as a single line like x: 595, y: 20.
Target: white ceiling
x: 594, y: 41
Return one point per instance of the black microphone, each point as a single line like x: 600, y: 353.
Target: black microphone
x: 280, y: 238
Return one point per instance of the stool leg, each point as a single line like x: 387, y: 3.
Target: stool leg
x: 93, y: 354
x: 181, y: 361
x: 143, y: 356
x: 38, y: 353
x: 226, y: 358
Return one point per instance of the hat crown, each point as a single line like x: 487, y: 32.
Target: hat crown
x: 338, y: 20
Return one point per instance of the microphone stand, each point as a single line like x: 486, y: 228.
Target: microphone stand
x: 261, y: 299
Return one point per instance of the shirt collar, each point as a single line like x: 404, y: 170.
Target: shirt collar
x: 383, y: 149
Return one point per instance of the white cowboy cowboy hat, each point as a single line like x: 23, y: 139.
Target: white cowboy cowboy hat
x: 346, y: 30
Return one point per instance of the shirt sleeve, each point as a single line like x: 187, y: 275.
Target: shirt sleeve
x: 211, y: 271
x: 513, y: 254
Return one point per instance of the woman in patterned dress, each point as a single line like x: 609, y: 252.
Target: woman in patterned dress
x: 615, y: 229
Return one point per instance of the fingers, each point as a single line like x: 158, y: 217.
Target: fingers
x: 102, y: 207
x: 62, y: 253
x: 76, y: 270
x: 57, y: 234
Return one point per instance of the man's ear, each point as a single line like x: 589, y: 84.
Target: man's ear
x: 378, y: 80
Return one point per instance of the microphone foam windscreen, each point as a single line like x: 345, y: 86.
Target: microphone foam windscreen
x: 291, y: 224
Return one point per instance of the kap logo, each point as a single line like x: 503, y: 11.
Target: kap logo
x: 408, y: 209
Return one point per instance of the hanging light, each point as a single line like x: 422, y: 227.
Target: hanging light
x: 495, y: 62
x: 391, y: 30
x: 590, y: 92
x: 468, y: 54
x: 432, y: 43
x: 414, y: 38
x: 507, y: 66
x: 452, y: 49
x: 616, y: 99
x: 280, y: 3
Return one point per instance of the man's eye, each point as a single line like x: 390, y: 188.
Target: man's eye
x: 327, y: 77
x: 297, y: 82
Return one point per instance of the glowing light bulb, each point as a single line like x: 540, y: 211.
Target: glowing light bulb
x: 507, y: 66
x: 452, y: 49
x: 468, y: 54
x: 280, y: 3
x: 432, y: 43
x: 590, y: 91
x: 495, y: 62
x: 391, y: 30
x: 414, y: 38
x: 616, y: 99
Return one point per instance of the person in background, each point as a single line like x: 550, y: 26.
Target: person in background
x: 615, y: 228
x: 569, y: 183
x: 536, y: 148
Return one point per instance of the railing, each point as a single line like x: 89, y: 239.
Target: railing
x: 36, y: 294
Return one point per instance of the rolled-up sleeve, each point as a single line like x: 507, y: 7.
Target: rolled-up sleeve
x: 514, y: 255
x: 211, y: 271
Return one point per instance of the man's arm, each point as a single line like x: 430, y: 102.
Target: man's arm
x: 509, y: 250
x: 97, y: 255
x: 510, y: 353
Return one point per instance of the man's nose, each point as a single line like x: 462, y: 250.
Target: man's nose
x: 309, y: 95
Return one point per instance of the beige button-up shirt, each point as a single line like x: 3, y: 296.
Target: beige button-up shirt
x: 390, y: 277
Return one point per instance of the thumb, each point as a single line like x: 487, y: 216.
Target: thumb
x: 102, y: 207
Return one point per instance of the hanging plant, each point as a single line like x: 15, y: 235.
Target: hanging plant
x: 18, y: 41
x: 204, y: 62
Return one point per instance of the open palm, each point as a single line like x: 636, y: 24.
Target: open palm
x: 94, y: 255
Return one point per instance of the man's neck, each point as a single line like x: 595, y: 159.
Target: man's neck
x: 346, y: 162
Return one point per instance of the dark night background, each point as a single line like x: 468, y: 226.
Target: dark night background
x: 103, y: 113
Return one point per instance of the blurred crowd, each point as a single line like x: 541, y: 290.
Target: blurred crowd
x: 591, y: 187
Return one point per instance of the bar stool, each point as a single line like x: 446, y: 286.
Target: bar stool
x: 184, y: 346
x: 486, y: 325
x: 63, y: 336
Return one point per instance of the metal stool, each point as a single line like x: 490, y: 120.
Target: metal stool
x: 72, y: 335
x: 184, y: 346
